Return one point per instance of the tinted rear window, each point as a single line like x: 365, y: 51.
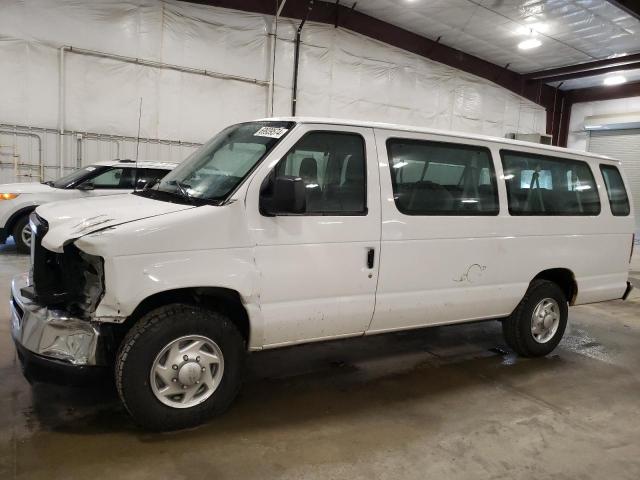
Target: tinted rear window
x: 542, y: 185
x: 616, y: 192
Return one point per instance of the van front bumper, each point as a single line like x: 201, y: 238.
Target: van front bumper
x: 52, y: 345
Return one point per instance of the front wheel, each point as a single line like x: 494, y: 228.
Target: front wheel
x: 22, y: 234
x: 179, y: 365
x: 537, y: 324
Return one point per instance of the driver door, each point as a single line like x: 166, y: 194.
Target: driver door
x: 319, y: 269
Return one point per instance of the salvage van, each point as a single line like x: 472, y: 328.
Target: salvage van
x: 285, y: 231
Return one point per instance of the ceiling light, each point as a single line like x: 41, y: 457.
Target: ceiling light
x: 614, y: 80
x: 529, y: 43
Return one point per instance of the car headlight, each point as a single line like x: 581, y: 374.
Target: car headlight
x: 8, y: 196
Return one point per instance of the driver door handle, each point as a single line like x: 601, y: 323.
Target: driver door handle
x: 371, y: 256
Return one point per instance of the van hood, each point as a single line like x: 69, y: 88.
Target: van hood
x: 25, y: 188
x: 72, y: 219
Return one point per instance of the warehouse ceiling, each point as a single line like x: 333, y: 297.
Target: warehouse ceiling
x: 570, y: 31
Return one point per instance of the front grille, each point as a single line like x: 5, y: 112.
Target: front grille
x: 46, y: 266
x: 71, y: 280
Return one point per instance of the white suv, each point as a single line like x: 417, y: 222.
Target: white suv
x: 18, y: 200
x: 279, y: 232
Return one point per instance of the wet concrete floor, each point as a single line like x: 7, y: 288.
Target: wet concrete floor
x: 448, y: 403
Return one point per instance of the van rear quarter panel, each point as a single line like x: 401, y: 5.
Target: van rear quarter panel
x: 447, y: 269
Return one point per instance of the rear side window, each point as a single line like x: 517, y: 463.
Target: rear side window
x: 435, y: 178
x: 616, y: 192
x: 541, y: 185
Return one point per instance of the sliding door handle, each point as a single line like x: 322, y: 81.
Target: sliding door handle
x: 371, y: 256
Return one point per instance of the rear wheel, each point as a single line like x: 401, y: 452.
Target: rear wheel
x: 22, y: 234
x: 179, y: 365
x: 537, y: 325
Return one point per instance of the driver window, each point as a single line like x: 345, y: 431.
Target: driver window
x: 114, y: 178
x: 332, y: 166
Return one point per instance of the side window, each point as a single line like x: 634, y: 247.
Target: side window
x: 149, y: 175
x: 542, y: 185
x: 333, y: 168
x: 114, y: 178
x: 434, y: 178
x: 616, y: 192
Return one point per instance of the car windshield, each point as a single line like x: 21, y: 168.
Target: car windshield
x: 76, y: 176
x: 213, y: 171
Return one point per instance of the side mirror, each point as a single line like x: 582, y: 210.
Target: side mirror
x: 288, y: 195
x: 85, y: 186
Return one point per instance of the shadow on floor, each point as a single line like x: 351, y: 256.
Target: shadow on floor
x: 297, y: 385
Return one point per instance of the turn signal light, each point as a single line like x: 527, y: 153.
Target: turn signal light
x: 8, y: 196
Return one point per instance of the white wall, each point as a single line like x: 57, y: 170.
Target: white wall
x: 578, y: 137
x: 342, y: 74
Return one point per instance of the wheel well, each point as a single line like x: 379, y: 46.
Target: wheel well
x: 564, y: 278
x: 223, y: 300
x: 16, y: 216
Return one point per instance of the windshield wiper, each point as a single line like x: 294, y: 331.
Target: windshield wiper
x: 49, y: 182
x: 182, y: 188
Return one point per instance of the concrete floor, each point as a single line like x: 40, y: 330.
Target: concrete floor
x: 449, y: 403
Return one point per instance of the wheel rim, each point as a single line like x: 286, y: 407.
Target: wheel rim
x: 25, y: 235
x: 545, y: 320
x: 187, y: 371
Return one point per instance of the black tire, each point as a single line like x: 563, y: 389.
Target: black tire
x: 145, y: 341
x: 21, y: 246
x: 517, y: 328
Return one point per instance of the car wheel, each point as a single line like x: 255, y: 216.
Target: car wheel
x: 22, y: 234
x: 178, y: 366
x: 538, y: 323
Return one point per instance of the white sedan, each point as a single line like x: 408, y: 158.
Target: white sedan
x: 18, y: 200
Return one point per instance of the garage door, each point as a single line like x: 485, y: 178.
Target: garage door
x: 625, y: 146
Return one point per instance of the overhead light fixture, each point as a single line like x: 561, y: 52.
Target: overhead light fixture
x: 614, y: 80
x: 529, y: 43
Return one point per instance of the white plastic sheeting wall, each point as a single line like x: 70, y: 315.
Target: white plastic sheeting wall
x: 342, y: 74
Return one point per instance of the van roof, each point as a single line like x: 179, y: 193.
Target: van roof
x: 433, y: 131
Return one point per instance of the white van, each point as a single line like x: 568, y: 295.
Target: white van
x: 285, y: 231
x: 18, y: 200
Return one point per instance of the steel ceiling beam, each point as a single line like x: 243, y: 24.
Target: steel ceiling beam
x: 588, y: 69
x: 593, y: 94
x: 632, y: 7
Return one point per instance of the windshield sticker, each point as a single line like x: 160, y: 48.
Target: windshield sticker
x: 271, y: 132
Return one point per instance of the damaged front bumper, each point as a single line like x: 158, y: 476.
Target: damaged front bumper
x: 51, y: 338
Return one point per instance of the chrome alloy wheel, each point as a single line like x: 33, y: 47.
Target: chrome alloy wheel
x: 187, y: 371
x: 25, y: 235
x: 545, y: 320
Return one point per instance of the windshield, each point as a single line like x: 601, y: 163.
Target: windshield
x: 76, y: 176
x: 213, y: 171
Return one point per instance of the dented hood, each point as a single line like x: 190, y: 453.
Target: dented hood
x: 73, y: 219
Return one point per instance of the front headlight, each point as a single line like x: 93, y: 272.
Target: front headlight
x: 8, y: 196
